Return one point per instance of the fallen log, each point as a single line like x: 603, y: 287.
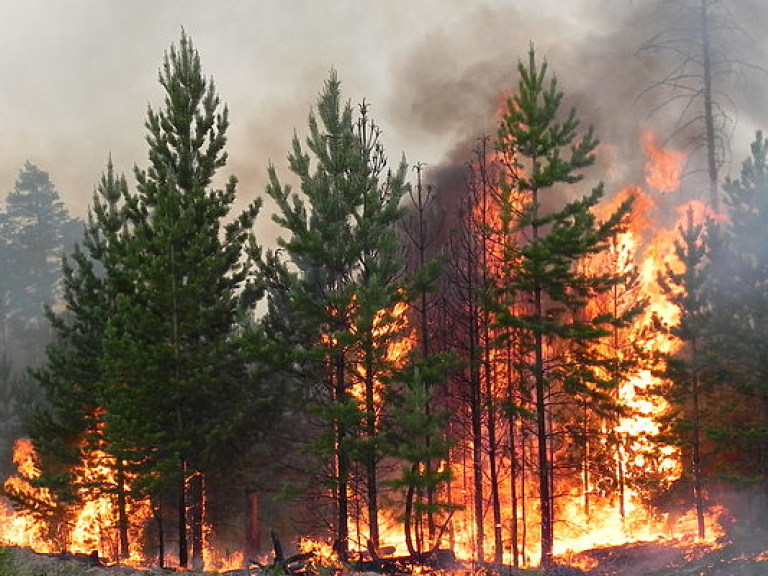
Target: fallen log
x: 441, y: 559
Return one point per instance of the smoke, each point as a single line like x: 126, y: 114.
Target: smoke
x: 450, y: 84
x: 77, y: 77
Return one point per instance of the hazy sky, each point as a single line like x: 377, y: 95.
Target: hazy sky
x: 77, y: 75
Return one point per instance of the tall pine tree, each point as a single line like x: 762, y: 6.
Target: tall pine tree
x: 340, y: 265
x: 69, y: 426
x: 548, y: 153
x: 176, y: 377
x: 738, y: 288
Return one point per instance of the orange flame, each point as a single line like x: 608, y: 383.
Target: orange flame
x: 663, y: 168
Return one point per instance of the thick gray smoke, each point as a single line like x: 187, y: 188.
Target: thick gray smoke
x: 77, y: 76
x: 448, y: 85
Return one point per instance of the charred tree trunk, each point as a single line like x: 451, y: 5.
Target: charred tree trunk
x: 408, y: 521
x: 342, y: 464
x: 158, y: 514
x: 513, y: 468
x: 370, y: 456
x: 485, y: 230
x: 545, y: 472
x: 477, y: 459
x: 696, y: 456
x: 476, y: 414
x: 181, y: 519
x: 498, y: 545
x: 196, y: 516
x: 421, y: 200
x: 122, y: 511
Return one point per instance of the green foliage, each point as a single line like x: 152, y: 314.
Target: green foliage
x: 419, y: 444
x: 547, y: 244
x: 172, y: 366
x: 738, y: 297
x: 147, y: 365
x: 332, y: 287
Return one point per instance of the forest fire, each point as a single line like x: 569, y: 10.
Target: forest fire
x: 510, y: 413
x: 589, y: 512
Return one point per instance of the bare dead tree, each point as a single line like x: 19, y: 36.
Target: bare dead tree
x: 701, y: 46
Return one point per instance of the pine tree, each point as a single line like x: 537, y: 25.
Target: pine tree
x: 176, y: 382
x: 418, y: 439
x: 737, y: 281
x: 68, y: 427
x: 685, y: 288
x: 549, y: 153
x: 38, y: 231
x: 340, y: 266
x: 421, y: 226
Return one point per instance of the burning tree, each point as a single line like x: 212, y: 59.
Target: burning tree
x: 334, y: 280
x: 546, y: 294
x: 71, y: 426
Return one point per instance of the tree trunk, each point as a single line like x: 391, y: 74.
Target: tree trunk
x: 371, y: 430
x: 408, y: 519
x: 342, y: 465
x: 545, y: 474
x: 709, y: 120
x: 122, y: 513
x: 253, y: 526
x: 158, y: 513
x: 477, y: 439
x: 181, y: 518
x: 513, y: 496
x: 498, y: 545
x: 197, y: 513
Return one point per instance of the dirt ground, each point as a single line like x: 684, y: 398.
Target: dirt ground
x: 746, y: 555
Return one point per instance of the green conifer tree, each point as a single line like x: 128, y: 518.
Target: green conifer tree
x: 686, y: 290
x: 67, y: 428
x: 549, y: 152
x: 737, y: 289
x: 175, y: 379
x: 337, y: 271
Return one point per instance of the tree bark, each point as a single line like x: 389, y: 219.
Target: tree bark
x: 122, y: 513
x: 342, y: 465
x: 545, y: 473
x: 181, y: 518
x: 196, y: 517
x: 709, y: 120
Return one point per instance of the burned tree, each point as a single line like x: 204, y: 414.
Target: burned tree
x: 703, y: 49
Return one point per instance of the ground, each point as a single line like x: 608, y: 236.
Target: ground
x: 746, y: 555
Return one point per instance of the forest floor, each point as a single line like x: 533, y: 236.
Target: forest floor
x: 746, y: 555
